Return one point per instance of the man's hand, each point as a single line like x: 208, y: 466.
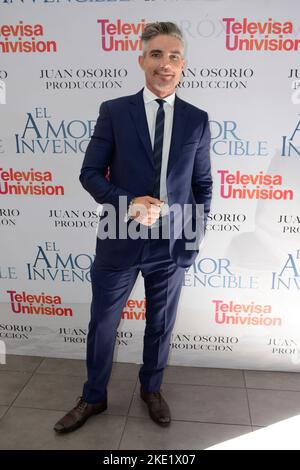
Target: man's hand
x: 145, y: 209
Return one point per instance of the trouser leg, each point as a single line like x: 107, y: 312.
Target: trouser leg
x: 110, y: 290
x: 163, y: 282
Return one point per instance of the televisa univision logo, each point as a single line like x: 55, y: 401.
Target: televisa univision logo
x: 28, y: 183
x: 38, y: 304
x: 234, y: 313
x: 120, y: 36
x: 257, y: 36
x: 22, y: 37
x: 261, y: 185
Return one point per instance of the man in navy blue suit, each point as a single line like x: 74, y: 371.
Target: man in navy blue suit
x: 155, y: 205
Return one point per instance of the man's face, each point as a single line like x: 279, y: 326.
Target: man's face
x: 162, y: 63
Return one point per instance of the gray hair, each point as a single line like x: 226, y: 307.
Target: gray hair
x: 160, y: 27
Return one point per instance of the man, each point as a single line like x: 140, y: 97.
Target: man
x: 156, y: 147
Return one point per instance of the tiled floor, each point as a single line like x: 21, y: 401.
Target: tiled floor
x: 209, y: 406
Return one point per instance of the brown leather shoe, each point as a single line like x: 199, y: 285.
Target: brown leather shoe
x: 75, y: 418
x: 158, y: 408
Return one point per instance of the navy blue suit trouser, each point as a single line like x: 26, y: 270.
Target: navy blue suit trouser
x: 111, y: 289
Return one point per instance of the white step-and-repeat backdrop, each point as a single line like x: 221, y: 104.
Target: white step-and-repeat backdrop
x: 59, y: 59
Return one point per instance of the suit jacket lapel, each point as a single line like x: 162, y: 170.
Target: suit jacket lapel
x: 179, y: 121
x: 138, y: 113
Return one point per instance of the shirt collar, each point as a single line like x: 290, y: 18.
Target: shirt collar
x: 149, y: 96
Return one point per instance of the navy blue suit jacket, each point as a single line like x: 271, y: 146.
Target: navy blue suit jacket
x: 121, y: 142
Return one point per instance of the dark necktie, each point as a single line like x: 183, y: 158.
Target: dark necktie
x: 158, y: 145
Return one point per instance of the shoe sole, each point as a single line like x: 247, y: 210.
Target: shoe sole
x: 77, y: 425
